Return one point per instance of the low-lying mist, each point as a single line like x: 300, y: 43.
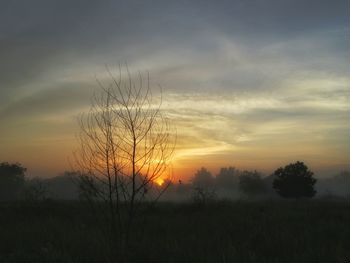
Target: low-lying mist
x: 230, y: 183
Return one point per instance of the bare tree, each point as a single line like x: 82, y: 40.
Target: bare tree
x: 126, y: 144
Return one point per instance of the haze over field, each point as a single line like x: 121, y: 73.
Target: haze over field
x: 255, y: 84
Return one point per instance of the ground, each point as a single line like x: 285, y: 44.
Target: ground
x: 241, y: 231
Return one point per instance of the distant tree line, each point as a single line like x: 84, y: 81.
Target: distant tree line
x: 292, y: 181
x: 16, y: 185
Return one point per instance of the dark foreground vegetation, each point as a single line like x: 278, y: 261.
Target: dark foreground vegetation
x: 240, y: 231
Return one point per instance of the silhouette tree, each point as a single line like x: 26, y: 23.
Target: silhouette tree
x: 251, y: 183
x: 126, y: 144
x: 35, y: 190
x: 12, y: 178
x: 203, y: 186
x: 203, y: 178
x: 64, y: 186
x: 227, y: 177
x: 294, y: 181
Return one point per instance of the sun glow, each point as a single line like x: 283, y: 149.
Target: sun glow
x: 159, y: 181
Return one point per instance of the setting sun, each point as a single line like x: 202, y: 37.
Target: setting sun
x: 159, y: 181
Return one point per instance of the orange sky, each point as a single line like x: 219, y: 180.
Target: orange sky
x: 210, y: 138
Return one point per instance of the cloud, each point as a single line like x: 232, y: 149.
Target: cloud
x: 62, y: 99
x: 238, y: 76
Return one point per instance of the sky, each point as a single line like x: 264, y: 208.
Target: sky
x: 254, y: 84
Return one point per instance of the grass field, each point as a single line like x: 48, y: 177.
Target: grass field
x: 242, y: 231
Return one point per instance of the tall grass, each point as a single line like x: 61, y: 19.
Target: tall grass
x: 242, y: 231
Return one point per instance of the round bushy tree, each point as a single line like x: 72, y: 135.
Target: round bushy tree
x: 294, y: 181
